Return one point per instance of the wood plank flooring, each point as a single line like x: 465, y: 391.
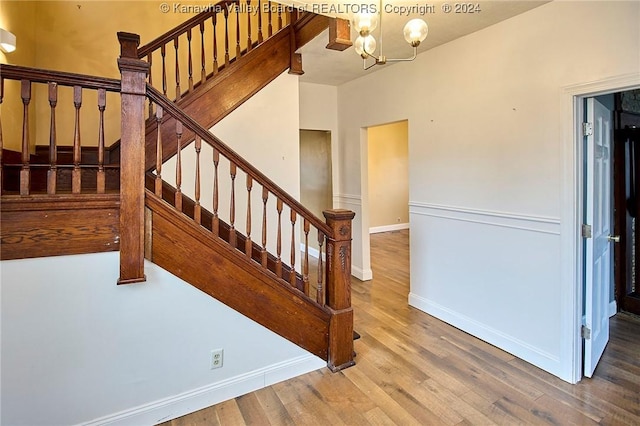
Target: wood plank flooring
x: 413, y: 369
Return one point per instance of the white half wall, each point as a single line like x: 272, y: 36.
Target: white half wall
x: 486, y: 137
x: 79, y: 349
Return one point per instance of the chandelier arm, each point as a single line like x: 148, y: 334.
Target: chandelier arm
x: 364, y: 50
x: 364, y: 64
x: 415, y: 54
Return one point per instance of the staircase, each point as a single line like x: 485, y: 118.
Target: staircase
x: 252, y: 246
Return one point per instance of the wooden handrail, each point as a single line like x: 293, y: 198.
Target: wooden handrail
x: 36, y: 75
x: 206, y: 136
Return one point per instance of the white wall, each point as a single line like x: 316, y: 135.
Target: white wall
x: 79, y: 348
x: 318, y: 111
x: 76, y: 347
x: 486, y: 150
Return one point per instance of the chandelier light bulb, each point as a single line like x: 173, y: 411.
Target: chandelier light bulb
x: 415, y: 31
x: 365, y: 45
x: 365, y: 23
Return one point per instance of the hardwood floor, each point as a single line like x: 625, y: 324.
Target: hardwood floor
x: 413, y: 369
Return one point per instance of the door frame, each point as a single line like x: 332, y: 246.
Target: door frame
x: 572, y: 276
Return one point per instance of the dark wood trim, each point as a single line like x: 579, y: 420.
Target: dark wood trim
x: 620, y: 217
x: 56, y: 225
x: 339, y: 289
x: 339, y: 34
x: 308, y: 26
x: 134, y: 74
x: 206, y: 221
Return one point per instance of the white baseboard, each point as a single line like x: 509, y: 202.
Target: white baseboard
x: 170, y: 408
x: 522, y: 350
x: 361, y: 274
x: 613, y: 308
x: 388, y: 228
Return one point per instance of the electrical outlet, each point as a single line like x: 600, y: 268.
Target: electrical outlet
x: 216, y: 358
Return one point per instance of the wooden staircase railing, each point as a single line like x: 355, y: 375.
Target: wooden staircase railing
x: 210, y: 64
x: 319, y: 296
x: 213, y: 39
x: 265, y: 210
x: 71, y: 190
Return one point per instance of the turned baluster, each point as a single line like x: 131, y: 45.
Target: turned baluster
x: 292, y: 276
x: 248, y: 246
x: 203, y: 72
x: 215, y: 221
x: 52, y: 173
x: 215, y: 44
x: 76, y: 174
x: 232, y: 208
x: 101, y: 178
x: 238, y: 50
x: 178, y: 197
x: 25, y: 92
x: 158, y: 187
x: 305, y: 264
x: 190, y: 61
x: 197, y: 209
x: 249, y: 11
x: 279, y: 17
x: 279, y: 240
x: 226, y: 37
x: 263, y: 251
x: 260, y: 38
x: 319, y: 287
x: 270, y: 16
x: 178, y: 90
x: 163, y: 53
x: 149, y: 61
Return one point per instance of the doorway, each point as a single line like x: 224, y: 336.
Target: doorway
x: 316, y: 182
x: 609, y: 206
x: 396, y: 176
x: 388, y: 177
x: 626, y: 178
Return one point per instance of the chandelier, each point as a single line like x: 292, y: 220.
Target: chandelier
x: 415, y: 31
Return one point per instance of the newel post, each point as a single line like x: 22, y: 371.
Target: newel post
x: 339, y: 289
x: 132, y: 151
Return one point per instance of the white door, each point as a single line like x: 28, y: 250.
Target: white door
x: 599, y: 248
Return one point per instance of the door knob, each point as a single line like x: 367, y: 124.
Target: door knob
x: 614, y: 238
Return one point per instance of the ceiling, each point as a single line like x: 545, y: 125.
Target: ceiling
x: 332, y: 67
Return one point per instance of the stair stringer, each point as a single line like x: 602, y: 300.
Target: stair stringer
x: 190, y: 252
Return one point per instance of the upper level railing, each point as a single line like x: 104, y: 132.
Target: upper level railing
x: 201, y: 47
x: 70, y: 165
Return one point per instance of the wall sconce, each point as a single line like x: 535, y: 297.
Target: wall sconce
x: 7, y: 41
